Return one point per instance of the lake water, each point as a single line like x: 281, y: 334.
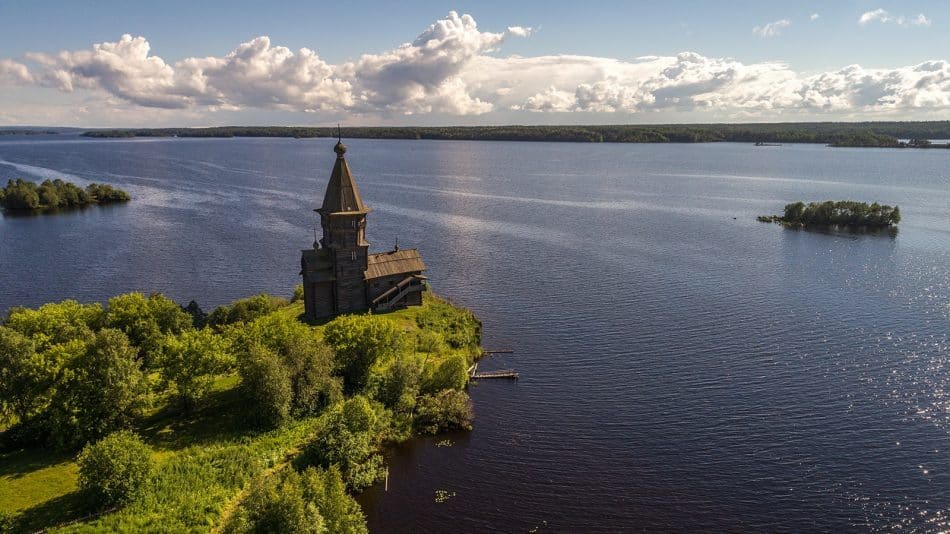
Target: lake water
x: 682, y: 365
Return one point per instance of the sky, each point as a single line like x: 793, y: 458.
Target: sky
x: 204, y: 63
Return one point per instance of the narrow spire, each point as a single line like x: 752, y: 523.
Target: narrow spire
x: 342, y: 195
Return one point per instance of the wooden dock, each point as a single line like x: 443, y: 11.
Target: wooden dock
x: 502, y: 373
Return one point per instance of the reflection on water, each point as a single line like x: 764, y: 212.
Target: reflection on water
x: 683, y: 367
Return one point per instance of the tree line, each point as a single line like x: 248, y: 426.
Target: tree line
x: 22, y: 195
x: 876, y: 134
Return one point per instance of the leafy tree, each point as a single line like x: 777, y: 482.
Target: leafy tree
x: 298, y: 293
x: 266, y: 387
x: 277, y: 504
x: 18, y: 388
x: 452, y: 373
x: 114, y: 470
x: 198, y: 317
x: 246, y: 310
x: 21, y: 195
x: 445, y: 411
x: 341, y: 513
x: 146, y: 321
x: 348, y: 439
x: 314, y: 501
x: 192, y: 360
x: 310, y: 366
x: 29, y: 379
x: 58, y: 322
x: 358, y: 342
x: 102, y: 391
x: 399, y: 385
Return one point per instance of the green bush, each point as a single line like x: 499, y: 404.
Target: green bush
x: 452, y: 373
x: 445, y: 411
x: 114, y: 470
x: 298, y: 293
x: 309, y: 363
x: 245, y: 310
x: 192, y: 360
x: 457, y: 326
x: 266, y: 387
x: 314, y: 501
x: 7, y: 523
x: 359, y: 341
x: 398, y: 385
x: 348, y: 438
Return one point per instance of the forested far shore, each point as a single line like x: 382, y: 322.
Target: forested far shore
x: 864, y: 134
x: 143, y: 415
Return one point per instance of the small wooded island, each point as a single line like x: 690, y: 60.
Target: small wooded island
x: 843, y: 213
x: 25, y: 196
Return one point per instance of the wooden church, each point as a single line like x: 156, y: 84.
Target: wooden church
x: 339, y: 273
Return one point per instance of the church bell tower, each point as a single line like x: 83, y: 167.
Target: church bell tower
x: 343, y: 218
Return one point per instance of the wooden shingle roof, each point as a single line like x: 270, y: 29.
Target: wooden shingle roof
x: 394, y: 262
x: 342, y: 195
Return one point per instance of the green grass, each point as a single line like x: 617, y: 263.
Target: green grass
x: 28, y: 477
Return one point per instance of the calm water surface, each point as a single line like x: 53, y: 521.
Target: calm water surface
x: 682, y: 365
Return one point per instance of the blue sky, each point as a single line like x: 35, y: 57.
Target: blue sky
x: 710, y: 61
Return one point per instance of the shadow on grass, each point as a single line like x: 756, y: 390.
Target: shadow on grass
x: 57, y: 511
x: 16, y: 464
x: 219, y: 418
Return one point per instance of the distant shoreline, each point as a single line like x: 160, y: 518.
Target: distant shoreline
x: 837, y: 134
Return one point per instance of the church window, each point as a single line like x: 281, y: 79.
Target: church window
x: 353, y: 255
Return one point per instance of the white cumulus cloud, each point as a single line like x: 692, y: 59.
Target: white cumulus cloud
x: 883, y: 16
x: 452, y: 69
x: 772, y: 29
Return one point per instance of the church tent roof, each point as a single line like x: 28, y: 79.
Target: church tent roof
x: 342, y: 195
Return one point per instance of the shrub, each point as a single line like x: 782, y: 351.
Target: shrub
x: 114, y: 470
x: 298, y: 293
x: 348, y: 438
x: 452, y: 373
x: 192, y: 360
x: 310, y: 366
x: 399, y: 384
x: 445, y: 411
x: 277, y: 504
x: 358, y: 342
x: 245, y: 310
x: 314, y: 501
x: 458, y: 327
x: 266, y: 387
x: 7, y: 523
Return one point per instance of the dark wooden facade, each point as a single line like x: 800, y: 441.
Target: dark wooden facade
x: 339, y: 274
